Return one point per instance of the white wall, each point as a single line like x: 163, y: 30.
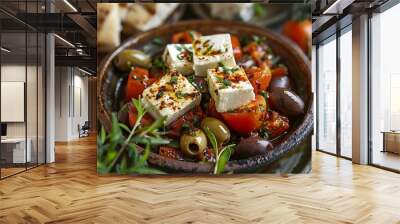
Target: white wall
x: 71, y: 94
x: 34, y: 125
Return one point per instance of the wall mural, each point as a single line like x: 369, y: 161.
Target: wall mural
x: 204, y: 88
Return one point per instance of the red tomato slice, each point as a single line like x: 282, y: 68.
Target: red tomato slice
x: 248, y: 118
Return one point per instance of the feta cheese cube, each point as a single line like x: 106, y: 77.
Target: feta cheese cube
x: 208, y: 51
x: 171, y: 96
x: 229, y: 87
x: 179, y: 57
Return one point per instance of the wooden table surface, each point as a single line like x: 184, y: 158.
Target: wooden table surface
x: 70, y: 191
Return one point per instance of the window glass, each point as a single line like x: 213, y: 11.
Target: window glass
x: 346, y: 94
x: 385, y: 84
x: 327, y: 96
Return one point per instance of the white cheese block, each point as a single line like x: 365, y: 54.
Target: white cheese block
x: 179, y: 57
x: 229, y: 87
x: 145, y: 16
x: 171, y: 96
x: 232, y: 10
x: 208, y: 51
x: 108, y: 26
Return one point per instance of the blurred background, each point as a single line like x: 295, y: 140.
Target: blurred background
x: 294, y: 20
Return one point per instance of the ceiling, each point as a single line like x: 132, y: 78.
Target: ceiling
x: 72, y: 20
x: 331, y: 15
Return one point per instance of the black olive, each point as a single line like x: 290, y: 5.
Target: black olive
x: 252, y: 146
x: 282, y: 82
x: 286, y: 102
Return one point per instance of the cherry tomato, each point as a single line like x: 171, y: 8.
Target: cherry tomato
x: 132, y: 115
x: 259, y: 78
x: 185, y: 37
x: 276, y: 124
x: 248, y: 118
x: 138, y: 80
x: 237, y: 50
x: 300, y: 33
x: 279, y: 71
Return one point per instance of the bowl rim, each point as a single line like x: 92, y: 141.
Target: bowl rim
x: 287, y: 144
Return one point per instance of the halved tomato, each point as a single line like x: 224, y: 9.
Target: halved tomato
x: 247, y: 118
x: 138, y: 80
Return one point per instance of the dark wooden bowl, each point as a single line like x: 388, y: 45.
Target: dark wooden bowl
x: 290, y: 54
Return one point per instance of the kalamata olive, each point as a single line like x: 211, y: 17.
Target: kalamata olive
x: 131, y: 57
x: 286, y: 102
x: 252, y: 146
x: 193, y: 143
x: 282, y: 82
x: 218, y: 128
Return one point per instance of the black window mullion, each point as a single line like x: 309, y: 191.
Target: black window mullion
x: 338, y: 98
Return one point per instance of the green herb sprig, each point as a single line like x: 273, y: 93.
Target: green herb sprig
x: 223, y: 154
x: 117, y: 154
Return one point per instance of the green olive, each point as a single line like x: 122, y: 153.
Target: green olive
x: 130, y: 57
x: 193, y: 143
x: 218, y: 128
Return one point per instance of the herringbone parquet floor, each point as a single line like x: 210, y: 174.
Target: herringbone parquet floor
x: 69, y: 191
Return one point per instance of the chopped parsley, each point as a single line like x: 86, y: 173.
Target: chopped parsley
x: 264, y: 133
x: 159, y: 95
x: 258, y: 40
x: 226, y: 82
x: 179, y: 94
x: 158, y: 41
x: 185, y: 127
x: 226, y: 69
x: 173, y: 80
x: 159, y: 63
x: 179, y: 48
